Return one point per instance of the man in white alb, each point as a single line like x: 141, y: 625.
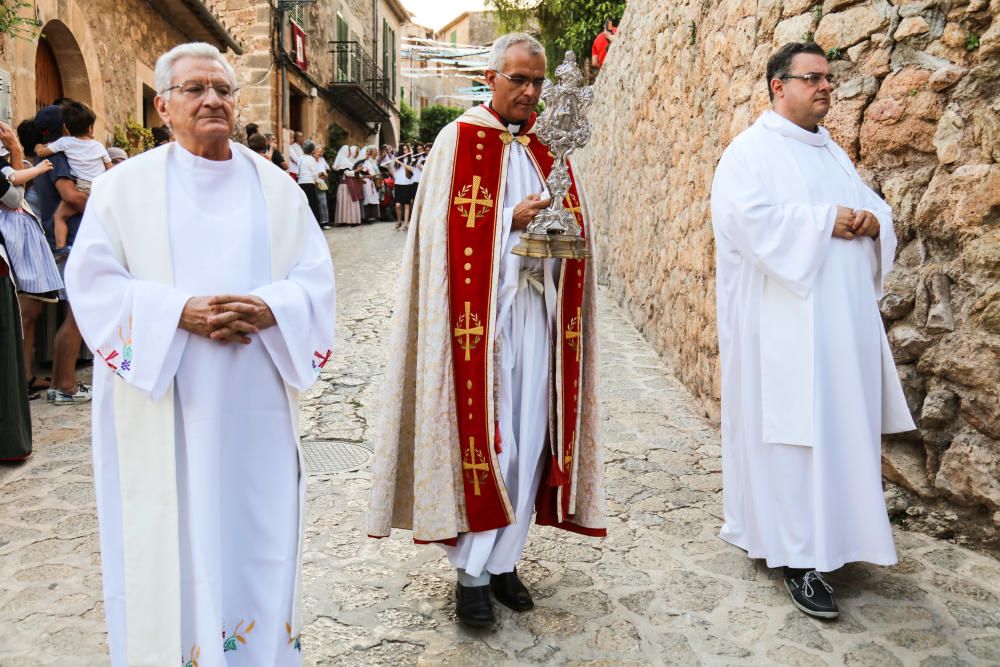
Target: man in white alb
x: 205, y: 289
x: 808, y: 382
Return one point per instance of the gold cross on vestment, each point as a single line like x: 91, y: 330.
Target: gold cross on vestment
x: 569, y: 205
x: 474, y: 201
x: 474, y: 467
x: 468, y: 331
x: 571, y: 335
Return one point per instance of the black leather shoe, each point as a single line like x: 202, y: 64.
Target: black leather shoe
x: 473, y: 606
x: 510, y: 592
x: 810, y: 593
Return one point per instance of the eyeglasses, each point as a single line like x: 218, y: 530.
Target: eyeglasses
x: 812, y: 78
x: 196, y: 91
x: 523, y: 81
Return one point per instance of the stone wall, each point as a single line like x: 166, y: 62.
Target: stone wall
x: 253, y: 22
x: 106, y: 50
x: 918, y: 107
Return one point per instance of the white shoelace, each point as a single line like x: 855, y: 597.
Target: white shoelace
x: 807, y: 588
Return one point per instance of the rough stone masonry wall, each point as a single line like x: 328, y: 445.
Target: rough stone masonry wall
x: 918, y: 108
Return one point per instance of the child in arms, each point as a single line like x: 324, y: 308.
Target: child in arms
x: 87, y: 158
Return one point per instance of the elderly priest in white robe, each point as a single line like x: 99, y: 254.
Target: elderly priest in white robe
x: 205, y: 288
x: 489, y: 412
x: 808, y: 382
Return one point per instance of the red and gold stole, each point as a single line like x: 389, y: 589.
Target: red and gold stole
x: 474, y: 227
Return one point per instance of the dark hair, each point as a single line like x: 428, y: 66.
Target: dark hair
x: 781, y: 61
x: 257, y: 143
x: 78, y: 118
x: 161, y: 135
x: 613, y: 21
x: 251, y: 129
x: 29, y: 135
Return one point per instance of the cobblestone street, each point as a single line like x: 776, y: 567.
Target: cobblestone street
x: 661, y: 589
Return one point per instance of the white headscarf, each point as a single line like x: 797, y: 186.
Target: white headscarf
x: 371, y: 162
x: 343, y: 160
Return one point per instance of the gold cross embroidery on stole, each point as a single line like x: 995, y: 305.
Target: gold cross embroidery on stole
x: 474, y: 201
x: 572, y: 337
x: 475, y: 468
x: 464, y: 329
x: 572, y: 206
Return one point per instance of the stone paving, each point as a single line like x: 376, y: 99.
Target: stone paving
x: 661, y: 589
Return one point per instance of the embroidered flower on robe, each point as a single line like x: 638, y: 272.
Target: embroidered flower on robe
x: 230, y: 643
x: 119, y: 357
x: 293, y: 640
x: 319, y: 360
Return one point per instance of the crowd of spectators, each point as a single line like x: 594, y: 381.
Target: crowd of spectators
x: 48, y: 163
x: 360, y: 184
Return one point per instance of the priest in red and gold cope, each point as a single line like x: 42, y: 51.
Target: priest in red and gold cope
x: 490, y: 412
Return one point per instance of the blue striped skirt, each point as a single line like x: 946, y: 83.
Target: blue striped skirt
x: 31, y: 259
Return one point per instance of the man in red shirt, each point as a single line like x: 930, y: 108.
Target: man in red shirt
x: 601, y: 43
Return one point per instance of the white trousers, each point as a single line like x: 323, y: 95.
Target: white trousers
x: 524, y: 418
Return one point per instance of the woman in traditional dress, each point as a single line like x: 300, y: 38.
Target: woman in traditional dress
x: 348, y: 210
x: 15, y: 416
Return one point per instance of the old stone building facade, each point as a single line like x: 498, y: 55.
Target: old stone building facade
x: 918, y: 107
x: 317, y: 67
x: 102, y: 53
x: 430, y: 83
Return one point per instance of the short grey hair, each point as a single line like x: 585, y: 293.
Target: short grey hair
x: 165, y: 64
x: 499, y: 53
x: 308, y: 147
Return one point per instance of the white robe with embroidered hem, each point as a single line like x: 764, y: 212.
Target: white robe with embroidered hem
x: 808, y: 382
x: 526, y: 307
x: 239, y: 486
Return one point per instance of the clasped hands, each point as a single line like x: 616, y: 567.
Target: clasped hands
x: 851, y: 223
x: 226, y: 318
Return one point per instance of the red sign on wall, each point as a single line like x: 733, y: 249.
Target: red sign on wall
x: 299, y: 46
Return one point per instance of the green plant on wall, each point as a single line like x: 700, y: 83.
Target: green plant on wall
x: 13, y: 24
x: 434, y: 118
x: 407, y: 123
x: 132, y: 137
x: 972, y: 42
x: 336, y: 136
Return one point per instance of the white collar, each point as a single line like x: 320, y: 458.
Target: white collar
x: 777, y: 123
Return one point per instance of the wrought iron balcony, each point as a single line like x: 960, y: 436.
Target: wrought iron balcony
x: 359, y: 86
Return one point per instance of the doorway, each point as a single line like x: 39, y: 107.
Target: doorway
x: 48, y: 79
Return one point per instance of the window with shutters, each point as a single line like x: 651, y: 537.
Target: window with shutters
x: 342, y: 55
x: 386, y: 87
x: 392, y: 48
x: 298, y: 14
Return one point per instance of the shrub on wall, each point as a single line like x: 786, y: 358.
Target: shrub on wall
x: 132, y: 137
